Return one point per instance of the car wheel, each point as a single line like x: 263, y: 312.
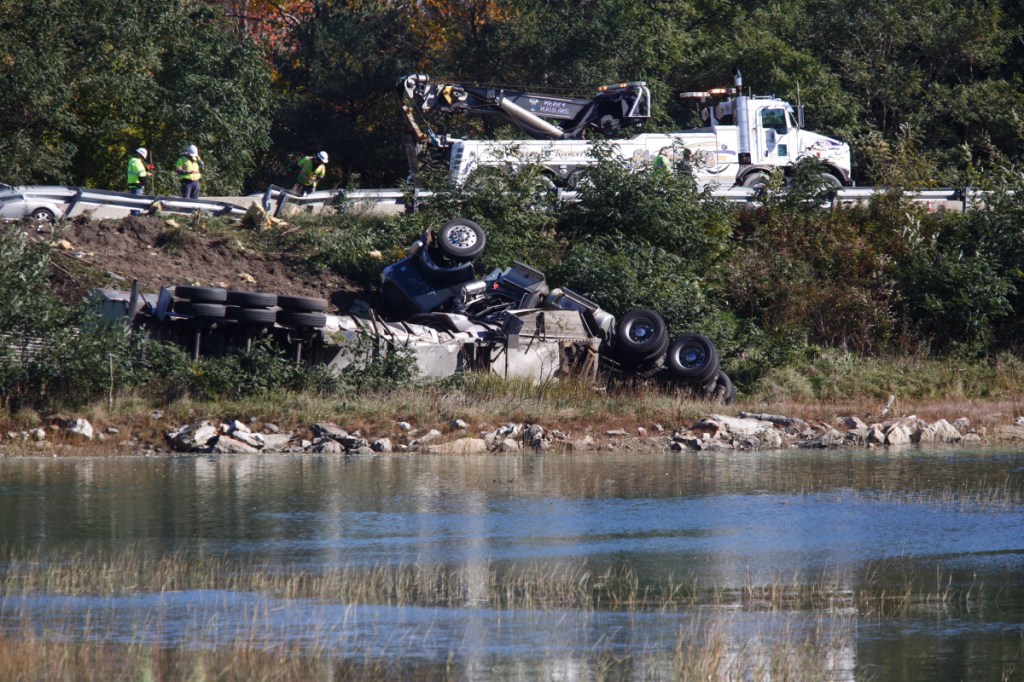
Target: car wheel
x: 251, y: 299
x: 693, y: 357
x: 43, y: 215
x: 207, y: 311
x: 304, y: 303
x: 201, y: 294
x: 291, y: 318
x: 642, y: 335
x: 461, y: 240
x: 251, y: 315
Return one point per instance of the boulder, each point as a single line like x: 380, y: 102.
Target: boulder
x: 852, y: 422
x: 80, y: 427
x: 428, y: 437
x: 254, y: 440
x: 616, y: 433
x: 897, y: 435
x: 963, y: 425
x: 716, y: 424
x: 876, y: 436
x: 458, y: 425
x: 231, y: 446
x: 462, y: 446
x: 404, y: 426
x: 381, y: 445
x: 275, y: 442
x: 829, y: 439
x: 1011, y: 432
x: 328, y: 447
x: 946, y: 432
x: 329, y: 430
x: 37, y: 434
x: 533, y: 434
x: 771, y: 440
x: 195, y: 437
x: 581, y: 444
x: 508, y: 445
x: 923, y: 434
x: 353, y: 443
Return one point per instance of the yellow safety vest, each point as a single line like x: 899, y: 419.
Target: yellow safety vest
x: 188, y: 169
x: 308, y: 176
x: 136, y: 171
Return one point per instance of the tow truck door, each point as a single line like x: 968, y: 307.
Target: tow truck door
x: 774, y: 132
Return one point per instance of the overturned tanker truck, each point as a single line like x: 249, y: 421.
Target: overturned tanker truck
x: 439, y: 307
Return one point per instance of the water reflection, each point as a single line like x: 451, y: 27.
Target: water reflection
x: 730, y: 520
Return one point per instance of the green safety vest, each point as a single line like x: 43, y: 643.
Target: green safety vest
x: 188, y: 169
x: 662, y: 163
x: 308, y: 176
x: 136, y: 171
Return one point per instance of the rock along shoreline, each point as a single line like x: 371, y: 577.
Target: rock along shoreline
x: 714, y: 432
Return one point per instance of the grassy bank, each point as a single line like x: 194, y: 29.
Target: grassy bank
x: 821, y: 388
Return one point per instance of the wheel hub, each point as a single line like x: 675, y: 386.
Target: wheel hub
x: 462, y: 237
x: 640, y: 333
x: 692, y: 357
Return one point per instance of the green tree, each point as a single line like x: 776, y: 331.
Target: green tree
x: 89, y: 81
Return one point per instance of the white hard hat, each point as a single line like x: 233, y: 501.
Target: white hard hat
x: 193, y: 150
x: 322, y: 156
x: 141, y: 151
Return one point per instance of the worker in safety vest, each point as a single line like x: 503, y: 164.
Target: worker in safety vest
x: 311, y: 171
x: 138, y: 171
x: 662, y: 161
x: 190, y: 169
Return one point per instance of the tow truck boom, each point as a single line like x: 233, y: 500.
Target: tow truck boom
x: 614, y: 107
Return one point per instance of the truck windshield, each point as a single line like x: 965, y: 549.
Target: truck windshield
x: 774, y: 118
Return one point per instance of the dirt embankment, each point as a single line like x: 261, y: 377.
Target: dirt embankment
x: 158, y: 254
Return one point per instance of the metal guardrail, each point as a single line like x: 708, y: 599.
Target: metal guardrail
x: 276, y: 200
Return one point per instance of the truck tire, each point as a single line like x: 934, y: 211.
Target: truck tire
x: 251, y: 299
x: 440, y: 274
x: 693, y: 358
x: 641, y: 335
x: 461, y: 240
x: 725, y: 392
x: 206, y: 311
x: 303, y: 303
x: 251, y: 315
x: 755, y: 180
x: 830, y: 181
x: 291, y: 318
x: 201, y: 294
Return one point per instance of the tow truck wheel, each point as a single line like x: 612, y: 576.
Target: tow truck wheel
x: 831, y: 181
x: 462, y: 240
x: 641, y: 334
x: 693, y: 357
x: 755, y: 180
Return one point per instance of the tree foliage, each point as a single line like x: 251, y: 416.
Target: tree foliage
x: 87, y: 82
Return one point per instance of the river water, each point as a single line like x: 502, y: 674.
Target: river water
x: 848, y: 529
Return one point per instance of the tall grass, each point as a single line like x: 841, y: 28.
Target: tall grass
x: 889, y: 587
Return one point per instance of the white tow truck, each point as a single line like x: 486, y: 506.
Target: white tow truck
x: 744, y: 139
